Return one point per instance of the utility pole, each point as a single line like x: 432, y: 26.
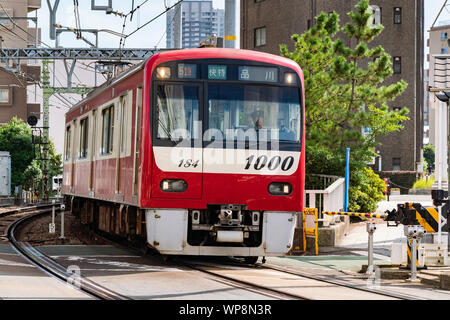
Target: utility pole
x: 47, y: 93
x: 230, y: 24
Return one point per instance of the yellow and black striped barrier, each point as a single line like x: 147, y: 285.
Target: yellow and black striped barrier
x: 418, y: 259
x: 357, y: 214
x: 427, y: 217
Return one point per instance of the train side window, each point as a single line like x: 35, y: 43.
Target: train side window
x: 68, y: 140
x: 107, y: 129
x: 84, y: 133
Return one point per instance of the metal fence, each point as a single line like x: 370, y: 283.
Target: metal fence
x: 326, y: 193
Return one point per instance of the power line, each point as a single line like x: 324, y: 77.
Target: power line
x: 173, y: 19
x: 21, y: 28
x: 150, y: 21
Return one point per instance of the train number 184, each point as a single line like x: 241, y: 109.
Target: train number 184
x: 273, y: 164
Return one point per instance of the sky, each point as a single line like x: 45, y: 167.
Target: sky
x: 153, y: 35
x: 148, y: 37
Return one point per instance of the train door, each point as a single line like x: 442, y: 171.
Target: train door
x: 92, y: 153
x: 137, y: 140
x: 177, y: 141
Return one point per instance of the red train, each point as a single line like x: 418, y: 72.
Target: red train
x: 197, y: 152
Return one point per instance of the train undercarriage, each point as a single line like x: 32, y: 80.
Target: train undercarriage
x: 219, y: 230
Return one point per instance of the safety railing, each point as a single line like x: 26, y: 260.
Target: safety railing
x: 330, y: 198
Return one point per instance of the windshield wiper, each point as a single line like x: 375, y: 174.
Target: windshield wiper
x: 167, y: 131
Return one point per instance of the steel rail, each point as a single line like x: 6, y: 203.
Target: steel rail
x: 241, y: 284
x: 327, y: 279
x: 56, y: 270
x: 340, y: 283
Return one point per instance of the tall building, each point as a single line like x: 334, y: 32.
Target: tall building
x: 199, y: 21
x: 17, y: 79
x: 265, y: 24
x: 438, y: 43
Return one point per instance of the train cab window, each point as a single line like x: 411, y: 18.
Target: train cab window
x: 84, y: 131
x: 107, y: 129
x: 178, y: 112
x: 68, y: 146
x: 254, y: 113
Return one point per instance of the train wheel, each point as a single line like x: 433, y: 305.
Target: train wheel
x: 251, y: 260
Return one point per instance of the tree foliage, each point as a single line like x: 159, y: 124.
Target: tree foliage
x: 346, y: 95
x: 16, y: 138
x: 428, y: 155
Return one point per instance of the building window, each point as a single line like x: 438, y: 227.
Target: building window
x: 260, y: 37
x: 376, y: 11
x: 107, y: 130
x: 84, y: 131
x: 396, y: 164
x: 4, y: 95
x: 68, y: 138
x: 397, y: 15
x: 444, y: 36
x: 397, y: 65
x: 444, y: 50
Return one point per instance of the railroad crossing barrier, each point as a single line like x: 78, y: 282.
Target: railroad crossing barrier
x: 311, y: 227
x: 357, y: 214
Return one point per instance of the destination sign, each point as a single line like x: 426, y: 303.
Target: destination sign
x: 258, y: 74
x: 217, y: 72
x: 187, y: 71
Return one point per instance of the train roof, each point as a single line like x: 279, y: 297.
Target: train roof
x: 191, y: 54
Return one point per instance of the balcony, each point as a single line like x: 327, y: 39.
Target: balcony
x: 34, y: 5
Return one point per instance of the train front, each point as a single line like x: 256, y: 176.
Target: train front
x: 227, y: 153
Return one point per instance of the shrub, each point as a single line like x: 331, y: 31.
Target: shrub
x: 424, y: 183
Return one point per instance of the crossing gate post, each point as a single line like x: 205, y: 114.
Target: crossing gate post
x: 51, y: 227
x: 414, y: 234
x: 370, y: 226
x: 311, y: 227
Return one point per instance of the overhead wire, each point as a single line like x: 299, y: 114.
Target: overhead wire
x: 153, y: 19
x: 173, y: 19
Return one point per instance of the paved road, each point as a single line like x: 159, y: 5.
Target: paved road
x: 21, y: 280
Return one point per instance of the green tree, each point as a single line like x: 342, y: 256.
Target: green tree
x: 428, y: 155
x: 16, y: 137
x: 346, y: 96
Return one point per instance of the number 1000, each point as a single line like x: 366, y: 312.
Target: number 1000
x: 274, y: 163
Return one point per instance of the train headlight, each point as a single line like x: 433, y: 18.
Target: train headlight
x: 280, y: 188
x: 172, y: 185
x: 163, y: 72
x: 290, y: 78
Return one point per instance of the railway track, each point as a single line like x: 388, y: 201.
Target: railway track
x: 217, y: 269
x: 11, y: 220
x: 231, y: 272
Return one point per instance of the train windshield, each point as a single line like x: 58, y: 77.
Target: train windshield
x: 178, y: 111
x: 258, y: 113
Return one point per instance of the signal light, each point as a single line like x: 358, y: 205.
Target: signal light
x: 280, y: 188
x: 172, y: 185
